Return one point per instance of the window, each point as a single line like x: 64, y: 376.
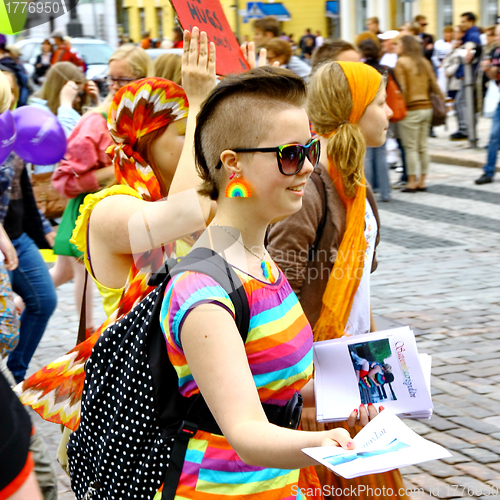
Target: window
x: 489, y: 12
x: 445, y: 15
x: 125, y: 21
x: 142, y: 20
x: 360, y: 16
x: 159, y: 21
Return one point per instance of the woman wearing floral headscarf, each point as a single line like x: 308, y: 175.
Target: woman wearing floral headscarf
x: 147, y: 122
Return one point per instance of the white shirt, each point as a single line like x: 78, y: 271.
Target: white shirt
x: 299, y: 67
x: 359, y: 318
x: 441, y: 50
x: 389, y: 60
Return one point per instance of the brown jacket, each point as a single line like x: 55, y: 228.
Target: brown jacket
x: 416, y: 85
x: 289, y: 242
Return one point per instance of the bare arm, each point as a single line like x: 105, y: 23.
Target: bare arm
x: 198, y: 79
x: 29, y: 489
x: 216, y: 356
x: 121, y: 226
x: 7, y: 248
x: 373, y: 325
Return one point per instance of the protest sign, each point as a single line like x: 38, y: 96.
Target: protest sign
x: 208, y: 16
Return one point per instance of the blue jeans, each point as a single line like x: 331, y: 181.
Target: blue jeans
x: 494, y: 144
x: 404, y: 175
x: 31, y: 280
x: 376, y: 170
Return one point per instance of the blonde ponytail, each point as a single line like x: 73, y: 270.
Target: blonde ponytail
x: 329, y: 105
x: 346, y: 149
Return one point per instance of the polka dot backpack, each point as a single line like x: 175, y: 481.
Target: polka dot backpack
x: 135, y: 425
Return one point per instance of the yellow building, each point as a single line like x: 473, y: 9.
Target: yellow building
x: 339, y: 18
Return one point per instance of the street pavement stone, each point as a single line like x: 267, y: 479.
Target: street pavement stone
x: 478, y: 471
x: 447, y: 294
x: 469, y: 435
x: 451, y: 295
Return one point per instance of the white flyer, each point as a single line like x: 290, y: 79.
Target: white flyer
x: 385, y: 443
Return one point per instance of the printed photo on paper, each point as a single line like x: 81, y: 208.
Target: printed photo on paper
x: 371, y: 363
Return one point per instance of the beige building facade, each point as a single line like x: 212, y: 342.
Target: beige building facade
x: 338, y: 18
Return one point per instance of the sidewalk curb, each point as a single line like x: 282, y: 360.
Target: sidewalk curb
x: 451, y: 159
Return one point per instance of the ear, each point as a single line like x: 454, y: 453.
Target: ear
x: 229, y: 161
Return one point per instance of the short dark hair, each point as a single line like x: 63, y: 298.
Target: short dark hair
x: 369, y: 49
x: 329, y: 51
x: 280, y: 47
x: 237, y: 113
x: 470, y: 16
x: 268, y: 23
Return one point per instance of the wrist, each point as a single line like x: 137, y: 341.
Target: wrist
x: 67, y: 103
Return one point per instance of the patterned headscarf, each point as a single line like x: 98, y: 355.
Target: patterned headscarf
x: 138, y: 109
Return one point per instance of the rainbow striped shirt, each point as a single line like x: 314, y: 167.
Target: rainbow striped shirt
x: 279, y: 352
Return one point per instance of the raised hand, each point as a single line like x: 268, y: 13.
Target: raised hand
x: 248, y: 50
x: 93, y: 91
x: 68, y: 94
x: 198, y: 66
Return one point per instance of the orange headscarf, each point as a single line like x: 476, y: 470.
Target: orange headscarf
x: 364, y: 83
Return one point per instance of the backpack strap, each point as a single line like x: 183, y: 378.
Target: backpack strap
x: 197, y: 415
x: 320, y: 186
x: 206, y: 261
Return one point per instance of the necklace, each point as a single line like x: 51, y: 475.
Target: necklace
x: 265, y: 266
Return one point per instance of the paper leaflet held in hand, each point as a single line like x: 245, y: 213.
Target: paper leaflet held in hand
x: 384, y: 444
x: 382, y: 368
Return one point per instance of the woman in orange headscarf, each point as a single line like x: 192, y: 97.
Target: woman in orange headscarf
x: 332, y: 253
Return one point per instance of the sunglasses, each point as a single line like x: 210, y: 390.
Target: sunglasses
x: 291, y: 157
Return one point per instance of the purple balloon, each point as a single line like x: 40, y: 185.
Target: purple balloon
x: 40, y: 138
x: 7, y: 134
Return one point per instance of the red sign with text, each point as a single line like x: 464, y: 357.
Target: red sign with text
x: 208, y: 16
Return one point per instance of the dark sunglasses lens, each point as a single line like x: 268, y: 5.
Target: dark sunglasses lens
x: 314, y: 153
x: 292, y: 159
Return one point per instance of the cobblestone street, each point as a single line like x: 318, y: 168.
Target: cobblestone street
x: 439, y: 272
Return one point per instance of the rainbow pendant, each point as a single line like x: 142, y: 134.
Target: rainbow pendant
x: 266, y: 271
x: 238, y: 188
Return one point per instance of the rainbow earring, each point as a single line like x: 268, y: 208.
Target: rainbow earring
x: 237, y: 188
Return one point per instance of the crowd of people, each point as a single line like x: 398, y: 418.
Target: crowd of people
x: 398, y: 52
x: 172, y: 161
